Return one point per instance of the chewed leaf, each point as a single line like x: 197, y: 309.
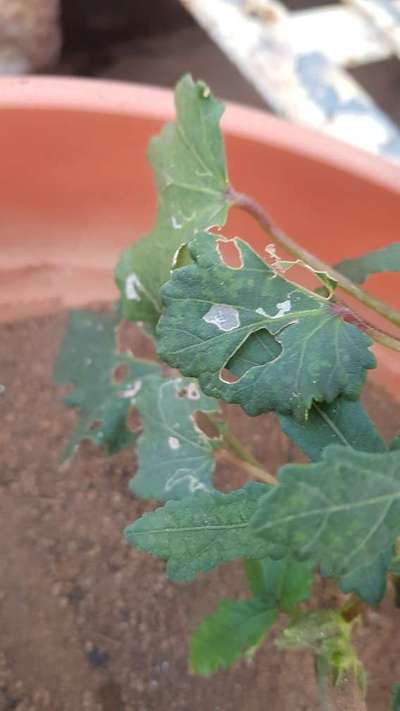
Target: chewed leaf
x: 189, y: 165
x: 283, y: 344
x: 235, y: 628
x: 282, y: 266
x: 88, y: 360
x: 201, y: 531
x: 359, y: 269
x: 175, y: 457
x: 343, y: 514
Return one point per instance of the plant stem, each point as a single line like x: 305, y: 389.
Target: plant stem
x: 289, y: 245
x: 322, y: 673
x: 343, y: 695
x: 237, y: 447
x: 384, y: 338
x: 253, y: 471
x: 234, y: 448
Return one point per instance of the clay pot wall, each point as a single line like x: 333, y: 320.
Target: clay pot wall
x: 76, y: 188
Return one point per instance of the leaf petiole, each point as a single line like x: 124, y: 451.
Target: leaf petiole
x: 234, y: 448
x: 255, y: 472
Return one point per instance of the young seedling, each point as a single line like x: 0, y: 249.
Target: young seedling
x: 246, y: 333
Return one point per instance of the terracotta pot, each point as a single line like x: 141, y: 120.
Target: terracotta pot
x: 76, y: 188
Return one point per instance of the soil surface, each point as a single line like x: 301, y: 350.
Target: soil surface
x: 88, y: 623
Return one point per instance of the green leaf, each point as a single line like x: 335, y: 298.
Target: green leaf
x: 175, y: 457
x: 358, y: 270
x: 88, y: 359
x: 201, y: 531
x: 189, y: 165
x: 236, y: 628
x: 340, y: 422
x: 342, y: 514
x: 395, y: 700
x: 211, y: 310
x: 282, y: 584
x: 329, y: 284
x: 395, y: 443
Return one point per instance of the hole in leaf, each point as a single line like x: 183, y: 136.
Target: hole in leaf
x: 120, y: 373
x: 134, y: 421
x: 230, y: 253
x: 297, y: 274
x: 227, y: 376
x: 258, y: 349
x: 201, y: 422
x: 131, y: 339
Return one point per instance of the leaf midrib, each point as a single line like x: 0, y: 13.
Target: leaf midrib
x: 330, y: 424
x: 331, y: 510
x: 192, y: 529
x: 254, y: 327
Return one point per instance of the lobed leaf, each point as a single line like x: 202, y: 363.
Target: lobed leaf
x: 359, y: 269
x: 239, y: 627
x: 295, y: 350
x: 201, y: 531
x: 236, y: 628
x: 342, y: 514
x: 175, y: 457
x: 339, y: 422
x: 88, y: 359
x: 189, y: 165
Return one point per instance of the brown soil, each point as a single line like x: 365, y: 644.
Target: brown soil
x: 88, y: 623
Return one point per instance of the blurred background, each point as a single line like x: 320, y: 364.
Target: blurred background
x: 88, y: 624
x: 155, y: 41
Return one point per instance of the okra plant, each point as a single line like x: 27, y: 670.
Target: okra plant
x: 233, y: 326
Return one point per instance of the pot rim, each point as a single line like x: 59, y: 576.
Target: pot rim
x: 123, y: 98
